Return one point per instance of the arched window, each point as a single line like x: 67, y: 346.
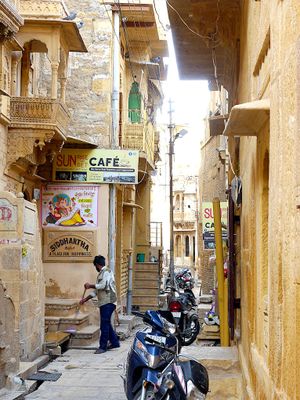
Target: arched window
x: 177, y: 202
x: 187, y: 246
x: 134, y: 104
x: 178, y: 246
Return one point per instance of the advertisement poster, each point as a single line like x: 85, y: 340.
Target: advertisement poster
x: 96, y: 166
x: 69, y: 206
x: 208, y: 229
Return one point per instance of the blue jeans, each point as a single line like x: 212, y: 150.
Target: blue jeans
x: 107, y: 332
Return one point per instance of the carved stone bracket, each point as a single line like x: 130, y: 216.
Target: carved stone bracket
x: 10, y: 20
x: 29, y: 145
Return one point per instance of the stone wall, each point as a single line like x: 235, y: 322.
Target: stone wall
x: 21, y: 271
x: 89, y: 78
x: 270, y: 218
x: 9, y: 345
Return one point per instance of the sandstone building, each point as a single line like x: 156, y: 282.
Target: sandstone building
x: 55, y: 95
x: 251, y: 48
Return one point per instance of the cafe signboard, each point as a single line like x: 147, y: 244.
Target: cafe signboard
x: 208, y: 226
x: 96, y: 166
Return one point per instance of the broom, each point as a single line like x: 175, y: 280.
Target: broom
x: 71, y: 329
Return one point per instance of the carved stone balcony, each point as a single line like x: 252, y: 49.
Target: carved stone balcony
x: 140, y: 137
x: 34, y: 122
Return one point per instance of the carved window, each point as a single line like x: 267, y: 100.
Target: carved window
x: 178, y: 246
x: 177, y: 202
x: 187, y: 246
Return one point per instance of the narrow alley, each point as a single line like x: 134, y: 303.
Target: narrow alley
x: 149, y: 171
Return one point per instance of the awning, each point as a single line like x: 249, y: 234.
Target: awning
x: 247, y: 119
x: 73, y: 140
x: 70, y: 31
x: 217, y: 124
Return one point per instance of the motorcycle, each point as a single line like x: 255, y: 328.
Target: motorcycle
x: 183, y: 307
x: 182, y: 279
x: 155, y: 369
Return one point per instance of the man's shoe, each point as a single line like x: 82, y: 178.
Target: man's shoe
x: 100, y: 351
x: 110, y: 347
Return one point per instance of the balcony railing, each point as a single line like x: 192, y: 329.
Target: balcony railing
x: 140, y: 137
x: 39, y: 113
x: 188, y: 216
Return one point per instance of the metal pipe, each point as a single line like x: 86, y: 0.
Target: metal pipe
x: 220, y: 269
x: 114, y: 139
x: 171, y: 152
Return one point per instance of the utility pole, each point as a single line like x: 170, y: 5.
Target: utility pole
x: 171, y: 127
x: 114, y: 139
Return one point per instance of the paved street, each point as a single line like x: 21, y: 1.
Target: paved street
x: 86, y: 376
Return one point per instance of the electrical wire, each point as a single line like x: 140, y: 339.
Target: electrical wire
x: 117, y: 37
x: 187, y: 26
x: 149, y: 41
x: 126, y: 37
x: 158, y: 16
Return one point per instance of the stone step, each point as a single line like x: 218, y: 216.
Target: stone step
x: 55, y: 307
x: 146, y: 268
x: 131, y: 320
x: 224, y: 386
x: 147, y: 276
x: 149, y: 291
x: 216, y: 359
x: 140, y: 282
x: 85, y: 336
x: 202, y: 309
x: 145, y: 299
x: 76, y: 321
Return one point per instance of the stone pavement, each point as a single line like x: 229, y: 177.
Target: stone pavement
x: 86, y: 376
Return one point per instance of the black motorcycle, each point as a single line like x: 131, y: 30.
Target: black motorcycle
x: 183, y: 307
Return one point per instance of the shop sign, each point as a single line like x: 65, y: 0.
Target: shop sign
x: 96, y: 166
x: 208, y: 227
x: 71, y: 206
x: 64, y: 246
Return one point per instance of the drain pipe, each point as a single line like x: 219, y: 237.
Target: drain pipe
x: 114, y: 140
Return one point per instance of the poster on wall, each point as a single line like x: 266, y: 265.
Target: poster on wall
x: 96, y: 166
x: 69, y: 206
x: 208, y: 227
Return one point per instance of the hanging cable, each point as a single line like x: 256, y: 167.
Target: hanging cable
x: 158, y: 16
x: 123, y: 23
x: 102, y: 1
x: 204, y: 37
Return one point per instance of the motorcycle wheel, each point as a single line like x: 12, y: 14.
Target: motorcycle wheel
x: 192, y: 331
x: 148, y: 396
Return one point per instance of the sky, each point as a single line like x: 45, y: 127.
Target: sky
x: 190, y: 104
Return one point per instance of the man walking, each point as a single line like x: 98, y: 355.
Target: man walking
x: 105, y: 290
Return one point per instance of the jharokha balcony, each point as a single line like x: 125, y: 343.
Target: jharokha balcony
x: 49, y: 115
x: 34, y: 123
x: 140, y: 137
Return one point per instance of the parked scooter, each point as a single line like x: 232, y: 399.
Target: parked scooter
x: 183, y: 307
x: 154, y: 368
